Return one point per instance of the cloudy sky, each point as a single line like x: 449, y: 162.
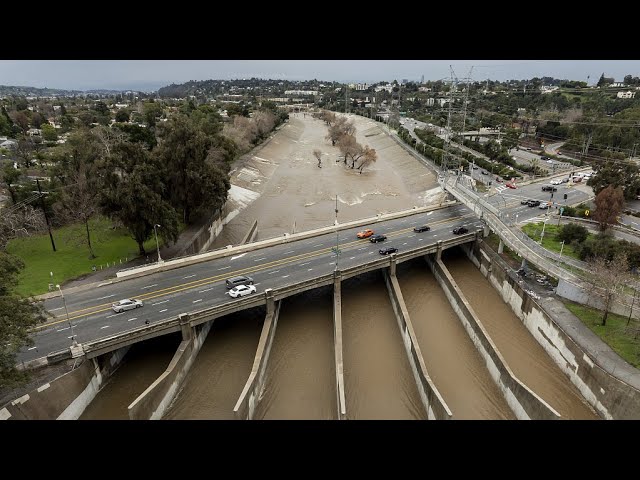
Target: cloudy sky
x: 149, y: 75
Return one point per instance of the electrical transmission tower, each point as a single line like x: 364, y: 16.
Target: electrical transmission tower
x: 458, y: 99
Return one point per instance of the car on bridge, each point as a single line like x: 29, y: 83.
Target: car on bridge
x: 460, y: 230
x: 387, y: 251
x: 421, y: 228
x: 126, y: 304
x: 365, y: 233
x: 556, y: 182
x: 239, y: 280
x: 549, y: 188
x: 242, y: 290
x: 377, y: 238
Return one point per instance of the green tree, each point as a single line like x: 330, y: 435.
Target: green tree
x: 195, y: 180
x: 572, y: 232
x: 152, y: 110
x: 9, y: 175
x: 17, y: 316
x: 131, y: 190
x: 609, y: 203
x: 122, y: 115
x: 49, y: 133
x: 616, y: 174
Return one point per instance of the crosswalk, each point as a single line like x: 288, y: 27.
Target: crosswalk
x: 538, y: 219
x: 500, y: 188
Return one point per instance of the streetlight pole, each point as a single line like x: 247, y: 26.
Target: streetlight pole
x: 157, y: 244
x: 561, y: 247
x: 337, y: 233
x: 73, y: 335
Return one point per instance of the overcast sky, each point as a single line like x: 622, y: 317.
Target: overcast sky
x: 149, y: 75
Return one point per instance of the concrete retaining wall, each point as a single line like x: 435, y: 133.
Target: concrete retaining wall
x: 337, y: 348
x: 152, y: 403
x: 252, y: 392
x: 66, y: 397
x: 612, y: 397
x: 432, y: 401
x: 524, y: 403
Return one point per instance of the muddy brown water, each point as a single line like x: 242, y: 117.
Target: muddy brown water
x: 452, y: 361
x: 524, y: 355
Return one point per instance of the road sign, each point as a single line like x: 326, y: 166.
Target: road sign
x: 561, y: 210
x: 586, y: 213
x: 336, y: 250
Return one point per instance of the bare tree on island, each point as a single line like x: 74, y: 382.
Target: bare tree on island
x: 608, y: 279
x: 318, y: 154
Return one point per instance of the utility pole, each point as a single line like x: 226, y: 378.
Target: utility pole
x: 346, y: 98
x: 46, y: 217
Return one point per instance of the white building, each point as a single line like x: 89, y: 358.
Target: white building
x: 547, y: 89
x: 430, y: 102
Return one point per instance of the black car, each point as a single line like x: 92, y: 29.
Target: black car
x: 388, y: 250
x: 422, y: 228
x: 377, y: 238
x: 460, y: 230
x: 549, y: 188
x: 524, y: 202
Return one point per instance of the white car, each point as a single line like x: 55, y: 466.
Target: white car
x: 556, y: 182
x: 242, y: 290
x: 126, y: 304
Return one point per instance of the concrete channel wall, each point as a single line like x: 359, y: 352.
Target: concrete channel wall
x: 524, y: 403
x: 611, y: 396
x: 337, y: 347
x: 252, y: 392
x: 432, y: 401
x: 153, y: 402
x: 66, y: 397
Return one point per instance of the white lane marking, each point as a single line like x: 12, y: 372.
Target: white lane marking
x: 275, y: 271
x: 362, y: 248
x: 115, y: 315
x: 303, y: 264
x: 54, y: 309
x: 290, y: 251
x: 149, y: 286
x: 71, y: 337
x: 201, y: 291
x: 105, y: 283
x: 414, y: 223
x: 33, y: 348
x: 238, y: 256
x: 106, y: 326
x: 189, y: 276
x: 351, y: 258
x: 108, y: 296
x: 154, y: 304
x: 434, y: 236
x: 319, y: 245
x: 429, y: 213
x: 256, y: 284
x: 309, y: 269
x: 409, y: 236
x: 258, y: 259
x: 371, y: 253
x: 224, y: 268
x: 132, y: 319
x: 63, y: 329
x: 196, y: 301
x: 163, y: 310
x: 404, y: 243
x: 285, y: 276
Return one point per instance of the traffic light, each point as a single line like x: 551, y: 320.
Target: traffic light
x: 565, y: 196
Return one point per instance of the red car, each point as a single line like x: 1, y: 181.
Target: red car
x: 365, y: 233
x: 510, y: 185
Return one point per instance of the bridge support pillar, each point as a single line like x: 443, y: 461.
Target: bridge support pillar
x: 439, y: 252
x: 268, y: 293
x: 524, y: 263
x: 392, y: 268
x: 185, y: 326
x: 500, y: 246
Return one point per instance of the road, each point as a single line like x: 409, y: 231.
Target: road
x: 196, y: 287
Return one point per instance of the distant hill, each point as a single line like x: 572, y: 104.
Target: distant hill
x: 51, y: 92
